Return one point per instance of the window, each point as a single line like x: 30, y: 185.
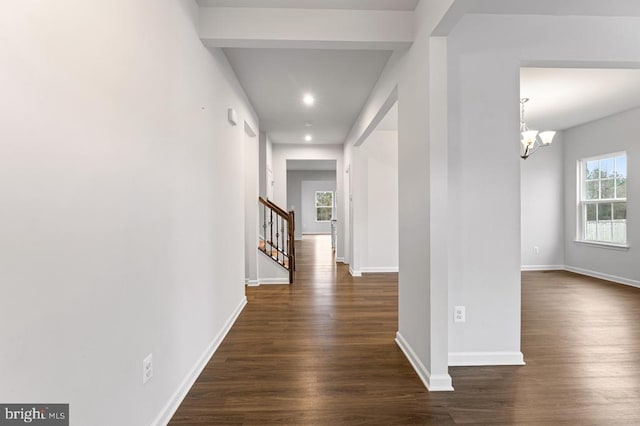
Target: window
x: 603, y: 199
x: 324, y: 206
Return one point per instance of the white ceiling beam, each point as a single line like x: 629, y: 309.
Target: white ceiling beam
x: 306, y: 28
x: 609, y: 8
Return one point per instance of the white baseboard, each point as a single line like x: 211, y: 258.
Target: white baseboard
x: 178, y: 396
x: 252, y: 283
x: 459, y: 359
x: 269, y: 281
x: 603, y: 276
x: 379, y: 269
x: 581, y: 271
x: 439, y: 382
x: 355, y: 273
x: 542, y: 268
x: 340, y: 259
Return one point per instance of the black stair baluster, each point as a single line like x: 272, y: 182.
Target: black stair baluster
x: 284, y: 244
x: 264, y: 227
x: 277, y: 238
x: 271, y: 232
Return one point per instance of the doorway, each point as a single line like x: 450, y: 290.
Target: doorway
x: 311, y: 194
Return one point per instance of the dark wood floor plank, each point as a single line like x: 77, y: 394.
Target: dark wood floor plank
x: 322, y: 352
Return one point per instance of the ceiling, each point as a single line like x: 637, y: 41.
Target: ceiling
x: 561, y: 98
x: 311, y: 165
x: 275, y: 81
x: 316, y: 4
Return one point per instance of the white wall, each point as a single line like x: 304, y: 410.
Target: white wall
x: 283, y: 152
x: 119, y: 178
x: 542, y: 208
x: 485, y: 55
x: 375, y: 198
x: 612, y: 134
x: 251, y: 182
x: 270, y: 271
x: 266, y: 166
x: 301, y: 187
x: 262, y: 166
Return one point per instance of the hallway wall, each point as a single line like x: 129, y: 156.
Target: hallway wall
x: 266, y: 166
x: 251, y: 172
x: 375, y: 203
x: 120, y: 177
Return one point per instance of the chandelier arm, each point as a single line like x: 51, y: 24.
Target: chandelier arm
x: 531, y: 150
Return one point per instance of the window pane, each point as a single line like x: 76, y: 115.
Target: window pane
x: 604, y: 178
x: 590, y: 231
x: 323, y: 213
x: 592, y: 170
x: 593, y: 190
x: 604, y: 211
x: 324, y: 199
x: 606, y: 167
x: 605, y: 231
x: 621, y: 188
x: 619, y: 211
x: 621, y: 166
x: 619, y: 232
x: 607, y: 188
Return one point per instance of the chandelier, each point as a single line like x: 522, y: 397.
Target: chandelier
x: 532, y: 140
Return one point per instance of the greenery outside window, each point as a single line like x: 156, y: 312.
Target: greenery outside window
x: 324, y: 206
x: 603, y: 199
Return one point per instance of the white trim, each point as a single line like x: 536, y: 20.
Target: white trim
x: 178, y: 396
x: 269, y: 281
x: 600, y: 244
x: 355, y: 273
x: 438, y: 382
x: 251, y: 283
x: 594, y: 274
x: 459, y: 359
x: 380, y: 269
x: 542, y: 268
x: 602, y: 276
x: 340, y: 259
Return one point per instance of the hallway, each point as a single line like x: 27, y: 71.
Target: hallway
x: 322, y: 352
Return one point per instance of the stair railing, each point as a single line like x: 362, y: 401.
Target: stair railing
x: 277, y: 235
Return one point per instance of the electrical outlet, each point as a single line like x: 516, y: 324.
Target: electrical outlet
x: 147, y: 368
x: 460, y: 314
x: 536, y: 250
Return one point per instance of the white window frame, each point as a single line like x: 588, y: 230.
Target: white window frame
x: 333, y: 200
x: 583, y: 202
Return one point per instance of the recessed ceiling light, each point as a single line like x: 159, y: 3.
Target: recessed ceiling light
x: 308, y: 138
x: 308, y: 99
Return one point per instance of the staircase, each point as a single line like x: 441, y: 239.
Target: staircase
x: 277, y: 236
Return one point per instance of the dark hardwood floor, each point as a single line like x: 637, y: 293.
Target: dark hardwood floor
x: 322, y: 352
